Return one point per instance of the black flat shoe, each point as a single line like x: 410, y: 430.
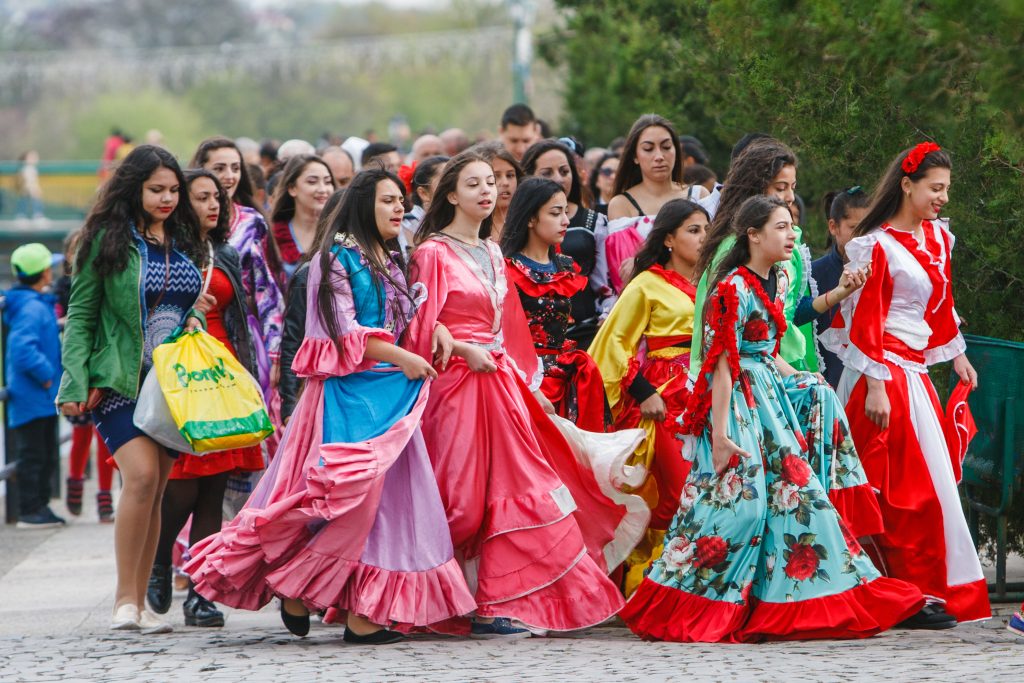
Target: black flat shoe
x: 297, y: 626
x: 930, y: 618
x: 201, y: 612
x: 158, y: 592
x: 382, y: 637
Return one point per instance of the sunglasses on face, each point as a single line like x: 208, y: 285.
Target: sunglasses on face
x: 607, y: 171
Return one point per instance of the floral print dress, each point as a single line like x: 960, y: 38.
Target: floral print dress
x: 759, y: 552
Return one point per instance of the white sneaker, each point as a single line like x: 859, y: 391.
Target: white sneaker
x: 150, y: 623
x: 125, y: 618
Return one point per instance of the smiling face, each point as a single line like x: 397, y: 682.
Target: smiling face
x: 783, y: 185
x: 312, y: 188
x: 388, y: 209
x: 656, y: 154
x: 202, y: 193
x: 554, y: 165
x: 475, y: 191
x: 686, y: 240
x: 928, y: 195
x: 552, y: 220
x: 505, y: 177
x: 226, y: 164
x: 777, y: 239
x: 160, y: 195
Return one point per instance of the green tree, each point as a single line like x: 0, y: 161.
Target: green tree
x: 848, y: 85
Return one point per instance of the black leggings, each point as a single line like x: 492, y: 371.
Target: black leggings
x: 202, y: 498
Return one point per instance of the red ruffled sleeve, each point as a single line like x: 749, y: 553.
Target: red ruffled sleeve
x: 866, y: 327
x: 722, y: 310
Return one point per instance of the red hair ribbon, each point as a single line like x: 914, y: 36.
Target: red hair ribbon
x: 405, y: 173
x: 917, y: 155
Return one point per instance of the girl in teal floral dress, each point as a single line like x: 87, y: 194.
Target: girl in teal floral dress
x: 757, y: 551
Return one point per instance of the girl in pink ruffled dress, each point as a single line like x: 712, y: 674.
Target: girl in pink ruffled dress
x: 348, y: 518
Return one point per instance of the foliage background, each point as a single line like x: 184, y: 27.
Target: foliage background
x: 848, y: 84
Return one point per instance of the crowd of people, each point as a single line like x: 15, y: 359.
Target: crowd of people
x: 522, y: 387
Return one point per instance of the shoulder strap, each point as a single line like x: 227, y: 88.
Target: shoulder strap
x: 634, y: 202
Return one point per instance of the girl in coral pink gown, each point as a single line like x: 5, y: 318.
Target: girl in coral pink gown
x: 535, y: 534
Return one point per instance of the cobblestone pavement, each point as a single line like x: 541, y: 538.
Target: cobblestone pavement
x: 55, y: 600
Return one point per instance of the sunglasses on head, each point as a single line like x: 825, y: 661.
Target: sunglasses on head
x: 572, y: 145
x: 855, y: 190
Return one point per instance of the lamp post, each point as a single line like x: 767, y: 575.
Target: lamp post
x: 523, y: 13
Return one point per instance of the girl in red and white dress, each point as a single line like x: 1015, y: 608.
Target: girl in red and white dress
x: 902, y: 321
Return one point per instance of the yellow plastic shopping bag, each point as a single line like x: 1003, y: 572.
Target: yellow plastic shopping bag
x: 215, y: 402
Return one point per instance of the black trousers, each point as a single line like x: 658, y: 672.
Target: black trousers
x: 36, y: 450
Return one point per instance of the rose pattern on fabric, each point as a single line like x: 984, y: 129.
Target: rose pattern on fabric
x: 711, y: 551
x: 796, y: 471
x: 764, y: 529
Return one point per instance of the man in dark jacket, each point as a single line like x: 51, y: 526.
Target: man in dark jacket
x: 33, y: 368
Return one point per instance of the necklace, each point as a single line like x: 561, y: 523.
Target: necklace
x: 466, y: 242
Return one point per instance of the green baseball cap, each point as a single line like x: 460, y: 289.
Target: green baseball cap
x: 31, y: 259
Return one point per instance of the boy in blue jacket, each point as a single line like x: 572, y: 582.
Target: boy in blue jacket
x: 33, y: 373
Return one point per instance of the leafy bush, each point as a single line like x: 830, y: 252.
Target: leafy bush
x: 848, y: 85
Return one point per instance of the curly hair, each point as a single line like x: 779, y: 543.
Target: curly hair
x: 750, y: 174
x: 119, y: 212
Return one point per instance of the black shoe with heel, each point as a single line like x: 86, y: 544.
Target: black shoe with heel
x: 932, y: 617
x: 381, y: 637
x: 201, y: 612
x: 158, y: 592
x: 297, y: 626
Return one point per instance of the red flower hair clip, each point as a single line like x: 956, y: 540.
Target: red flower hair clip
x: 405, y: 173
x: 917, y: 155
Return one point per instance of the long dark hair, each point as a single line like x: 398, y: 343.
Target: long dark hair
x: 424, y: 175
x: 750, y: 174
x: 669, y: 219
x: 526, y: 203
x: 119, y: 209
x: 244, y: 193
x: 441, y: 213
x: 753, y: 213
x: 887, y: 198
x: 219, y: 234
x: 535, y: 151
x: 357, y: 219
x: 283, y: 205
x: 629, y: 173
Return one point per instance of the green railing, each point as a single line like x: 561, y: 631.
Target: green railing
x: 69, y: 188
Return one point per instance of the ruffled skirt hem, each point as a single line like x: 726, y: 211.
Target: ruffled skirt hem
x: 657, y: 612
x: 388, y: 597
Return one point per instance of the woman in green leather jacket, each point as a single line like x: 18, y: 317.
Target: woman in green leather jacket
x: 135, y: 282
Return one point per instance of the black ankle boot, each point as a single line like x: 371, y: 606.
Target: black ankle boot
x: 201, y: 612
x: 158, y: 593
